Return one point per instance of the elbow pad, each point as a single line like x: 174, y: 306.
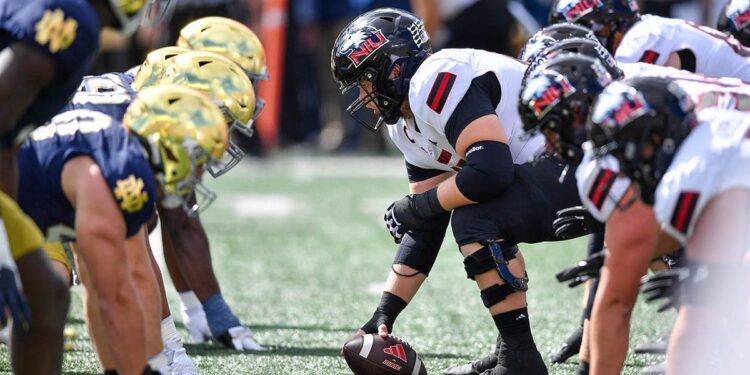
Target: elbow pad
x: 488, y: 170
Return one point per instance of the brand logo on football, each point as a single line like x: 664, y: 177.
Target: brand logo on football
x: 396, y: 351
x: 367, y: 47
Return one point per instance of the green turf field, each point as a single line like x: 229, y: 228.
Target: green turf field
x: 301, y: 251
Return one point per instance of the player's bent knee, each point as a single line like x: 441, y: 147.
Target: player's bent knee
x: 495, y: 256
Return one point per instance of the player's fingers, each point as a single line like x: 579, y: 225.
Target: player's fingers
x: 383, y: 331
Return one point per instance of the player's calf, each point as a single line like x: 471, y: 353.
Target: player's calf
x: 48, y: 299
x: 494, y: 266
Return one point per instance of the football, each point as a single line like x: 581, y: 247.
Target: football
x: 374, y: 355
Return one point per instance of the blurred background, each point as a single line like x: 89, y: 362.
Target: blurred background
x: 305, y: 110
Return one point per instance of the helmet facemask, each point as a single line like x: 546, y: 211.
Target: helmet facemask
x: 178, y: 167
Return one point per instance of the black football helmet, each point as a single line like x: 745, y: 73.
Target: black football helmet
x: 609, y: 19
x: 383, y: 47
x: 549, y: 36
x: 642, y: 122
x: 734, y: 19
x: 586, y: 47
x: 559, y: 96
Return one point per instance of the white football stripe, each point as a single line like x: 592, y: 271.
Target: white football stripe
x: 417, y: 367
x: 366, y: 346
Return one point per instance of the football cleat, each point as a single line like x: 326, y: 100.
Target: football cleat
x: 515, y: 362
x: 180, y: 363
x: 570, y: 348
x: 196, y: 325
x: 477, y: 366
x: 239, y: 338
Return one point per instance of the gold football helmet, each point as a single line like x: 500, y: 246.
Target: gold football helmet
x: 154, y: 66
x: 183, y: 130
x: 232, y: 39
x: 130, y: 13
x: 227, y: 85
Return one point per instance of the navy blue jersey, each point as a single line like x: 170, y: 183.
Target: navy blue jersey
x: 65, y: 30
x: 118, y: 154
x: 109, y: 93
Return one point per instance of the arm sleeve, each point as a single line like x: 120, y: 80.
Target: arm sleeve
x: 481, y: 99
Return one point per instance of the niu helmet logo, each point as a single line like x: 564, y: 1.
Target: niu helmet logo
x: 741, y: 19
x: 628, y: 110
x: 367, y: 47
x: 396, y: 351
x: 551, y: 96
x: 579, y: 8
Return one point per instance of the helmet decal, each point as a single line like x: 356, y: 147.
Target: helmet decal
x: 361, y: 45
x: 547, y: 92
x: 621, y: 108
x: 418, y: 33
x: 575, y: 9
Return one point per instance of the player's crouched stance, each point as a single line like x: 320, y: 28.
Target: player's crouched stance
x: 693, y: 171
x: 453, y: 115
x: 88, y: 172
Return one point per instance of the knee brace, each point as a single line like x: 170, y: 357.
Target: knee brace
x: 495, y: 255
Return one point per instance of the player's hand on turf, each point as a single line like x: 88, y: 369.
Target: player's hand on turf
x: 239, y: 338
x: 574, y: 222
x: 12, y: 298
x: 582, y: 271
x: 665, y: 285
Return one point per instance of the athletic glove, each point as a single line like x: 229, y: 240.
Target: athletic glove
x: 665, y: 284
x: 575, y: 222
x: 410, y: 211
x: 582, y: 271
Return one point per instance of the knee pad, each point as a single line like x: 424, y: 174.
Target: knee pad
x: 495, y: 255
x: 419, y: 247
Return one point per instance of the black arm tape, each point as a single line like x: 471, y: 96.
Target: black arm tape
x: 488, y: 170
x: 386, y: 313
x: 496, y: 294
x: 428, y: 204
x: 420, y: 246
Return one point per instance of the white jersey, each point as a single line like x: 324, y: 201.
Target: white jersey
x: 713, y: 159
x: 653, y: 39
x: 600, y: 191
x: 435, y: 91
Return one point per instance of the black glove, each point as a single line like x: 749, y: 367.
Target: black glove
x: 390, y: 306
x: 12, y: 299
x: 665, y: 284
x: 575, y: 222
x: 410, y: 211
x: 582, y: 271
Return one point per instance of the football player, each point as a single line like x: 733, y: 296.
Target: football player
x: 603, y: 191
x: 45, y: 48
x: 734, y: 19
x: 690, y: 172
x: 90, y: 178
x: 454, y: 116
x: 656, y: 40
x: 186, y: 248
x: 227, y: 83
x: 555, y: 102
